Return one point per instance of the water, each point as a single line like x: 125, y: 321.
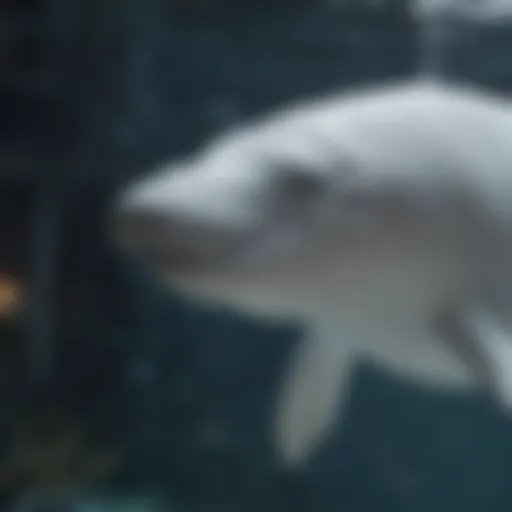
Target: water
x: 194, y: 375
x: 445, y: 26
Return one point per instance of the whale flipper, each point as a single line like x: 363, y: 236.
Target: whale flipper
x: 493, y: 339
x: 478, y: 333
x: 311, y: 397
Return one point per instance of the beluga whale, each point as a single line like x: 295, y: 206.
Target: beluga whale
x: 378, y: 219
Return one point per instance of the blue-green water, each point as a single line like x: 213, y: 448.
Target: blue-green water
x: 185, y: 394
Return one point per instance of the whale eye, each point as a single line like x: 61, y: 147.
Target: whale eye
x: 297, y: 183
x: 295, y: 190
x: 325, y: 180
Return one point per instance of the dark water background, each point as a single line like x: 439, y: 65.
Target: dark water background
x: 93, y: 92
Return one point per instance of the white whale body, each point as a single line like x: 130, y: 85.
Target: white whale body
x: 380, y: 219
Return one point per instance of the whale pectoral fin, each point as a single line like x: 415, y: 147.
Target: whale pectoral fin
x: 494, y: 341
x: 311, y: 397
x: 485, y: 342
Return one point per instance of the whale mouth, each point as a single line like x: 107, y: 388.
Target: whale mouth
x: 185, y: 238
x: 179, y: 246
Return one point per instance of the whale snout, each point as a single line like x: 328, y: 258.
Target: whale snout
x: 175, y: 226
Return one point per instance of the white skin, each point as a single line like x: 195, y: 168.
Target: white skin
x: 380, y: 220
